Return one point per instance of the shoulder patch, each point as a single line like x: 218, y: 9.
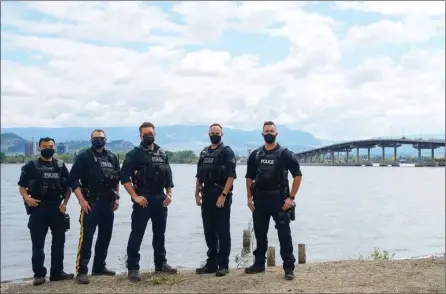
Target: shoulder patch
x: 60, y: 163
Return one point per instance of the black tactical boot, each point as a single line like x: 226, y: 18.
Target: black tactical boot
x: 63, y: 276
x: 221, y: 272
x: 104, y: 272
x: 165, y: 268
x: 133, y: 275
x: 289, y: 275
x: 38, y: 281
x: 206, y: 269
x: 255, y: 268
x: 82, y: 279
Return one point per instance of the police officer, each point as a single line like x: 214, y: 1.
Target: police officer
x: 269, y: 196
x: 145, y: 173
x: 94, y: 178
x: 43, y: 185
x: 215, y: 176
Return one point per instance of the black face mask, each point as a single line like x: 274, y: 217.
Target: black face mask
x: 98, y: 143
x: 148, y: 140
x: 215, y: 139
x: 269, y: 138
x: 47, y: 153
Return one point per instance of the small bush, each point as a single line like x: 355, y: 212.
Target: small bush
x: 377, y: 254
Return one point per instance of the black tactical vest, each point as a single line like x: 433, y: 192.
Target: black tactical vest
x: 211, y: 169
x: 153, y: 171
x: 271, y: 174
x: 49, y: 183
x: 110, y: 176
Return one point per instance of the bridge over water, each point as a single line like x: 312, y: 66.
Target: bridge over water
x: 318, y: 155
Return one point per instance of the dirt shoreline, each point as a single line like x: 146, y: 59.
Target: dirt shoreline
x: 351, y: 276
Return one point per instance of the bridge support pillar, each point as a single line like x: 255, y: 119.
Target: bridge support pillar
x: 369, y: 162
x: 383, y: 157
x: 332, y: 157
x: 419, y: 164
x: 348, y: 157
x: 339, y: 158
x: 357, y: 163
x: 433, y: 163
x: 395, y: 161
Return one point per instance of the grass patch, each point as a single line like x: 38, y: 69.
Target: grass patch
x: 377, y: 254
x: 164, y: 279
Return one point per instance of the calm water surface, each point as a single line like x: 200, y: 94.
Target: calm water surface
x: 341, y: 212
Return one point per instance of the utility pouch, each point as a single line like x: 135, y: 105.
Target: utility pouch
x: 66, y: 222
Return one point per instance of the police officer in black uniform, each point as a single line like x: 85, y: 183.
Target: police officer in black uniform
x: 94, y: 178
x: 43, y: 184
x: 145, y: 174
x: 269, y: 196
x: 215, y: 176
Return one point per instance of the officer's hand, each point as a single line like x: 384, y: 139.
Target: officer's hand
x: 141, y: 200
x: 198, y: 199
x: 167, y: 200
x: 288, y: 204
x: 116, y: 205
x: 31, y: 202
x: 63, y: 208
x: 85, y: 206
x: 251, y: 204
x: 221, y: 201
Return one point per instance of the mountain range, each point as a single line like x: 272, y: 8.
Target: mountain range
x: 173, y: 137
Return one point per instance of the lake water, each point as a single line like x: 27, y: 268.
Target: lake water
x: 341, y: 212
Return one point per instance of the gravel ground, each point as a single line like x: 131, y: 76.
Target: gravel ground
x: 352, y: 276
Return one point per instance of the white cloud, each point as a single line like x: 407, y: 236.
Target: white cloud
x: 396, y: 7
x: 94, y: 77
x: 411, y: 29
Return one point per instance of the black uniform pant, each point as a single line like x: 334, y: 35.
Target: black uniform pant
x: 47, y: 215
x: 140, y: 217
x: 269, y: 204
x: 101, y: 216
x: 216, y: 224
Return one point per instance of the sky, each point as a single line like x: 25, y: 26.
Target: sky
x: 340, y: 70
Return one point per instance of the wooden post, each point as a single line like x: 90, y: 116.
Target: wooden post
x: 271, y: 256
x: 246, y: 238
x: 302, y: 253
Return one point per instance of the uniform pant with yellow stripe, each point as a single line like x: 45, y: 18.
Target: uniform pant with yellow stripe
x: 101, y: 216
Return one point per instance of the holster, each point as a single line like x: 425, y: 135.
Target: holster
x: 27, y: 208
x: 291, y: 211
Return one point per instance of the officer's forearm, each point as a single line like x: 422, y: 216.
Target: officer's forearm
x: 169, y: 190
x: 197, y: 187
x: 228, y: 185
x: 129, y: 188
x: 296, y: 184
x: 248, y: 187
x: 23, y: 192
x: 67, y: 196
x: 79, y: 195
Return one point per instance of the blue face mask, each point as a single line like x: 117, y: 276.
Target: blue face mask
x: 98, y: 143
